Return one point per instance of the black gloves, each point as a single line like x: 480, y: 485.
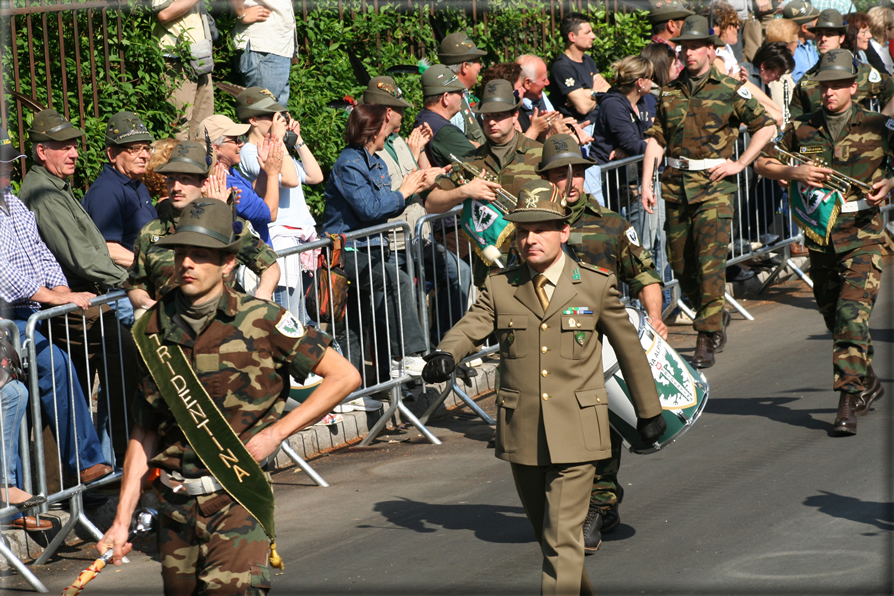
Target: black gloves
x: 439, y: 366
x: 649, y: 429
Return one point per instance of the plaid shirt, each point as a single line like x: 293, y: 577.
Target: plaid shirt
x: 27, y: 264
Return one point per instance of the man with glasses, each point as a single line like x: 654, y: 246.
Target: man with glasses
x: 118, y: 201
x: 875, y: 90
x: 442, y: 97
x: 463, y: 58
x: 83, y: 254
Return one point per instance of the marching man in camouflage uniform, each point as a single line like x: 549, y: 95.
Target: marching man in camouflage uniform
x: 871, y: 84
x: 152, y: 272
x: 210, y: 408
x: 603, y: 238
x: 697, y: 123
x: 847, y: 267
x: 507, y: 154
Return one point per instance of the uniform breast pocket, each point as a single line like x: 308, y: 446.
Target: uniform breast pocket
x: 577, y: 332
x: 510, y: 331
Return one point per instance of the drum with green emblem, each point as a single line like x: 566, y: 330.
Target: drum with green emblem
x: 683, y: 390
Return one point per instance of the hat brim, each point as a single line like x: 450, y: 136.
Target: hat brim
x: 495, y: 106
x: 805, y: 18
x: 197, y: 239
x: 564, y: 162
x: 673, y: 15
x: 178, y: 165
x: 143, y: 136
x: 460, y: 58
x: 9, y: 154
x: 66, y: 134
x: 439, y: 89
x: 842, y: 30
x: 833, y: 75
x: 694, y: 37
x: 262, y: 108
x: 536, y: 215
x: 385, y: 99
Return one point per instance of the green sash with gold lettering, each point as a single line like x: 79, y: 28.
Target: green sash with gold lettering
x: 208, y: 432
x: 815, y: 211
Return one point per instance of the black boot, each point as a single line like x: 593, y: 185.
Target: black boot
x: 846, y: 418
x: 872, y: 389
x: 720, y: 337
x: 704, y: 350
x: 592, y: 527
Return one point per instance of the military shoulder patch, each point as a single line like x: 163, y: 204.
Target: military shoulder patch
x: 874, y: 76
x: 289, y: 326
x: 671, y: 93
x: 631, y: 235
x: 890, y: 124
x: 744, y: 92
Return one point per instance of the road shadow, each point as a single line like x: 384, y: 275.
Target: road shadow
x: 622, y: 532
x: 491, y: 523
x: 774, y: 408
x: 884, y: 335
x: 880, y: 515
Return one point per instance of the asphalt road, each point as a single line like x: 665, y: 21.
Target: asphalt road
x: 755, y: 499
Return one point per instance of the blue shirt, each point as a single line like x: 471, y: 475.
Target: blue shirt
x: 619, y: 126
x: 119, y: 206
x: 27, y: 264
x: 358, y: 195
x: 806, y: 55
x: 251, y: 207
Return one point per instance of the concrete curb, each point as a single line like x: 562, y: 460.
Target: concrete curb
x: 309, y: 443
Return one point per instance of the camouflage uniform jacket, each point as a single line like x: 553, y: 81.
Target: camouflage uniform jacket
x: 603, y: 238
x: 864, y: 150
x: 870, y: 84
x: 153, y: 266
x: 518, y: 170
x: 243, y: 358
x: 703, y: 126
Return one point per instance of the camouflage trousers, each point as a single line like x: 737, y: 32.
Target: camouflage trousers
x: 211, y: 545
x: 846, y: 286
x: 697, y: 238
x: 606, y: 490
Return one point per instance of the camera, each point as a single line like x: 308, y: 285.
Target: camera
x: 290, y: 139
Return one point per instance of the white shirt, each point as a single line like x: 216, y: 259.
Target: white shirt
x: 884, y: 54
x: 729, y: 60
x: 276, y: 35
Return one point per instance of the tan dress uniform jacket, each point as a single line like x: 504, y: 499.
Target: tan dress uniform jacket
x: 552, y: 402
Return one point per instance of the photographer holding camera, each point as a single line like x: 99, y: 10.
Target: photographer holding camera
x: 293, y: 223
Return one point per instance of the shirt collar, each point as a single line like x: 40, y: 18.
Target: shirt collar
x: 554, y: 272
x: 162, y: 318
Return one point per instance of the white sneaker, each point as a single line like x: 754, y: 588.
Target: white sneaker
x: 413, y: 365
x: 362, y: 403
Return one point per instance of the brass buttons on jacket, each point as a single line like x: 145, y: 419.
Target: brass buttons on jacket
x: 598, y: 400
x: 510, y: 323
x: 545, y: 396
x: 544, y: 349
x: 544, y: 372
x: 544, y: 326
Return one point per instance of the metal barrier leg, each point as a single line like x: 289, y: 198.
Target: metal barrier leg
x: 454, y: 386
x: 738, y: 306
x: 415, y: 422
x: 22, y: 568
x: 689, y: 312
x: 436, y: 404
x: 398, y: 406
x: 60, y: 537
x: 800, y: 274
x: 303, y: 464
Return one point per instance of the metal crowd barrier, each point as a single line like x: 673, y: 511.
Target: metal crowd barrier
x: 7, y: 326
x: 444, y: 280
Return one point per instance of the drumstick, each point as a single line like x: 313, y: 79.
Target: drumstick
x: 145, y: 520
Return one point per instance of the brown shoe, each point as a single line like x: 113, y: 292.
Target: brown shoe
x: 704, y: 350
x: 872, y: 390
x: 846, y: 419
x: 29, y: 524
x: 94, y: 473
x: 720, y: 336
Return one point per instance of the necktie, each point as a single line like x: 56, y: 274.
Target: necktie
x: 539, y: 282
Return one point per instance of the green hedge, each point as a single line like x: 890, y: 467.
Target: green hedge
x: 381, y: 39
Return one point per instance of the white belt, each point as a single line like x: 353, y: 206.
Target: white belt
x: 854, y: 206
x: 193, y: 486
x: 694, y: 165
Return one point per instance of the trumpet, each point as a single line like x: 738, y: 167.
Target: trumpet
x: 837, y: 181
x: 505, y: 201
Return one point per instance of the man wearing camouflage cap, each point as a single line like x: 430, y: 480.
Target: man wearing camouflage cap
x: 228, y: 357
x: 697, y: 124
x: 118, y: 201
x: 550, y: 315
x: 806, y: 55
x: 81, y: 251
x: 509, y: 156
x: 603, y: 238
x: 875, y: 90
x: 294, y: 224
x: 463, y: 58
x: 187, y: 176
x: 442, y: 94
x: 846, y: 263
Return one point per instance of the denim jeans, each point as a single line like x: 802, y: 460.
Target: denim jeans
x: 593, y: 183
x: 269, y: 71
x: 292, y: 299
x: 65, y: 411
x: 13, y: 399
x: 124, y: 311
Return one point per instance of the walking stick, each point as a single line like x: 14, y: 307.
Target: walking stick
x: 144, y: 522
